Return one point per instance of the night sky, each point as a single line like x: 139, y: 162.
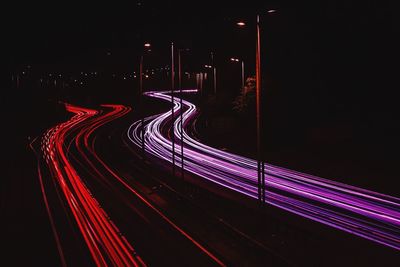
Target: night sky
x: 331, y: 30
x: 328, y: 63
x: 334, y: 45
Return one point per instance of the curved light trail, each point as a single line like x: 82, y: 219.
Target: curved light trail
x: 106, y: 244
x: 103, y: 239
x: 362, y: 212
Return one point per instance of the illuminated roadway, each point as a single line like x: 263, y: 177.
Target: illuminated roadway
x: 365, y: 213
x: 100, y: 216
x: 69, y: 167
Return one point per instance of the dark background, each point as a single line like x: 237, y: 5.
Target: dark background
x: 330, y: 81
x: 329, y: 72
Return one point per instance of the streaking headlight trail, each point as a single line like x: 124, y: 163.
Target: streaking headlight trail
x: 362, y: 212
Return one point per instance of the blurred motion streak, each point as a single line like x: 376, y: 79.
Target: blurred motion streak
x: 362, y: 212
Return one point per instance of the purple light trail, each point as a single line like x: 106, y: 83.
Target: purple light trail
x: 364, y: 213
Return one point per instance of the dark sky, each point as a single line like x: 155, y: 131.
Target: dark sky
x: 325, y: 63
x: 345, y: 45
x: 329, y: 31
x: 53, y: 33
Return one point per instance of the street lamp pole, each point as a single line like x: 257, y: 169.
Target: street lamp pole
x: 141, y: 98
x: 146, y: 45
x: 242, y: 73
x: 260, y: 161
x: 172, y: 108
x: 242, y: 63
x: 214, y: 73
x: 260, y: 154
x: 181, y: 113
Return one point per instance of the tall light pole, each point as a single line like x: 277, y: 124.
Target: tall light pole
x: 199, y: 81
x: 172, y: 108
x: 214, y: 73
x: 181, y: 113
x: 242, y: 73
x: 260, y: 159
x: 146, y: 46
x: 242, y: 63
x: 260, y: 154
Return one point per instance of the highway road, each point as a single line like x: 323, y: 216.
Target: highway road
x: 109, y: 207
x: 361, y: 212
x: 110, y: 216
x: 80, y: 179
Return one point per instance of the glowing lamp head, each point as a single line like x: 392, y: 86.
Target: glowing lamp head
x: 147, y: 45
x: 241, y: 23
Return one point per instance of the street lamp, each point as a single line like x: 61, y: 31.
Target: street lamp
x: 146, y: 48
x: 260, y: 155
x: 172, y: 108
x: 181, y: 113
x: 214, y: 74
x: 242, y: 61
x: 199, y: 81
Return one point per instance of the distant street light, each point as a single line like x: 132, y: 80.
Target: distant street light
x: 147, y: 46
x: 214, y: 74
x: 172, y: 108
x: 181, y: 113
x: 242, y: 61
x: 199, y: 81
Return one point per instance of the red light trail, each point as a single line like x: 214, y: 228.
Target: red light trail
x: 106, y: 244
x: 103, y: 239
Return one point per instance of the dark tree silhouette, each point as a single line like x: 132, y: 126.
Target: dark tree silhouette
x: 245, y: 102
